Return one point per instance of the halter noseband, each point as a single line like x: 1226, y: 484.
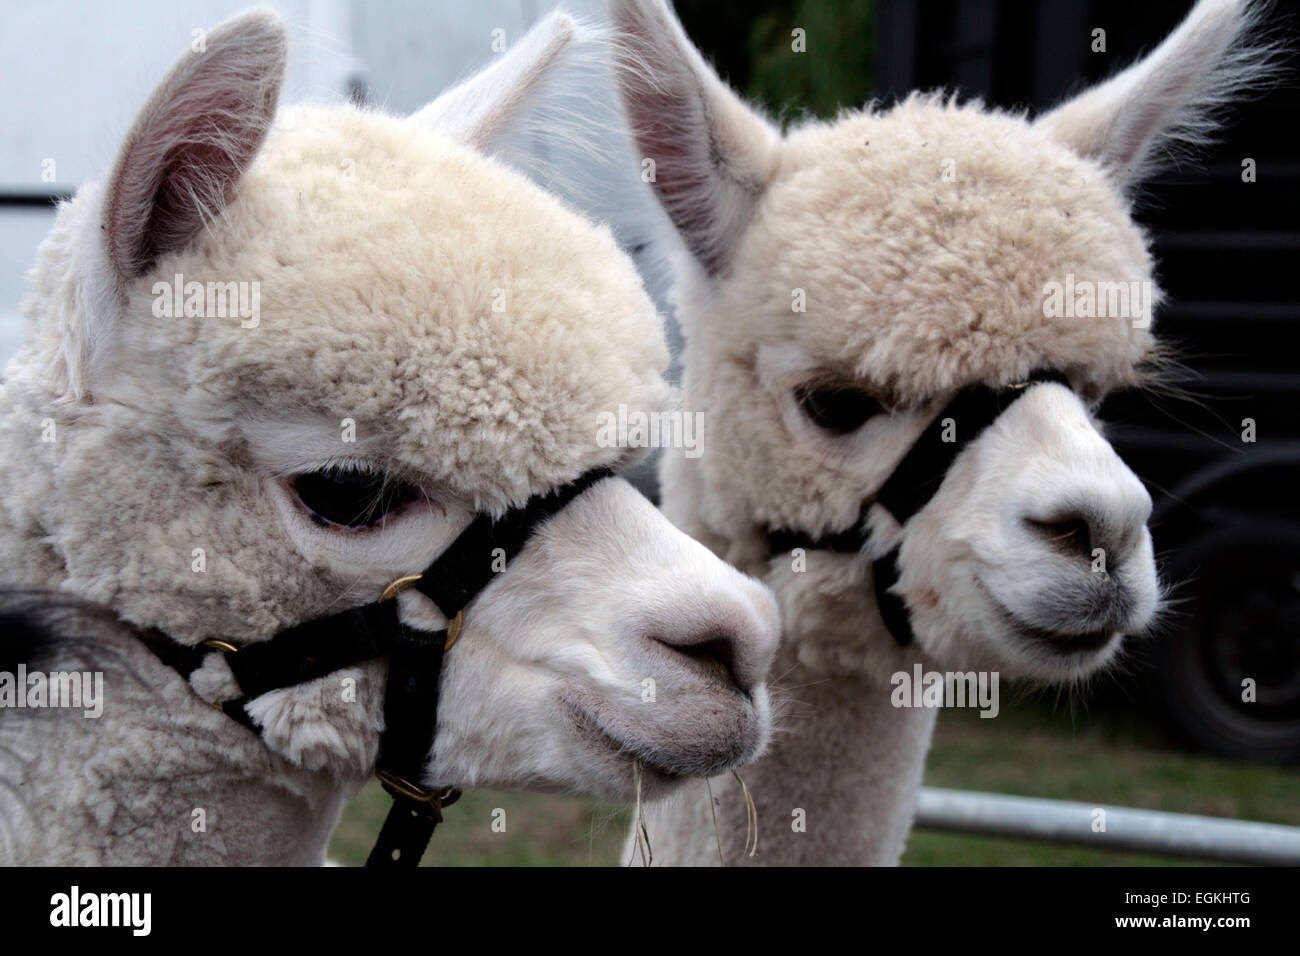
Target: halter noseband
x: 327, y: 644
x: 911, y: 486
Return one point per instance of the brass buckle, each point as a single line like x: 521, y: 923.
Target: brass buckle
x: 435, y: 800
x: 397, y: 587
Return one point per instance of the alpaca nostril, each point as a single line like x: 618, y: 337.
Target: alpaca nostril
x: 712, y: 657
x: 1071, y: 534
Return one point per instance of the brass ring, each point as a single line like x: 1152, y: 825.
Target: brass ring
x: 398, y: 586
x: 453, y: 630
x: 217, y: 645
x: 408, y: 789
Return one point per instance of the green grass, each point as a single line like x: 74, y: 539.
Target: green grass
x: 1109, y: 758
x: 531, y: 829
x: 1030, y: 749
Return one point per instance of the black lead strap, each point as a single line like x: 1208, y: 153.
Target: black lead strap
x: 415, y: 667
x: 910, y: 487
x: 410, y: 719
x: 324, y: 645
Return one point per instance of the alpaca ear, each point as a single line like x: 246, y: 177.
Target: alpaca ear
x: 192, y: 141
x: 1171, y: 98
x: 488, y: 107
x: 712, y: 155
x: 177, y: 169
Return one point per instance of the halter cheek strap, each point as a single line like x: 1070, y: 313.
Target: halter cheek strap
x: 910, y: 487
x: 324, y: 645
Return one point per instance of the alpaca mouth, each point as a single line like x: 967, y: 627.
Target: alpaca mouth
x: 1060, y: 641
x: 590, y: 731
x: 1064, y: 642
x: 703, y: 754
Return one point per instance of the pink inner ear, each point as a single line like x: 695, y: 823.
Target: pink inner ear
x: 194, y: 181
x: 685, y: 159
x: 191, y: 143
x: 712, y: 153
x: 668, y: 114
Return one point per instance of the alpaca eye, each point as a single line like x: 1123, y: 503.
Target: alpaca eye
x: 351, y: 497
x: 836, y: 408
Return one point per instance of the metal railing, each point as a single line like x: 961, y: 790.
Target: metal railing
x: 1126, y: 828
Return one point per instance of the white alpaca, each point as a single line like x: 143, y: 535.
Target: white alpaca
x: 433, y: 337
x: 842, y: 284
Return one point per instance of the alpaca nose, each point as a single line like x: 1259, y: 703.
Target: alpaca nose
x: 1096, y: 519
x: 737, y: 641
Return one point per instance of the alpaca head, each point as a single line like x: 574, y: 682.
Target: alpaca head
x: 411, y: 334
x: 843, y: 282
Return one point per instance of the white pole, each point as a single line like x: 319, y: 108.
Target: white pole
x: 1108, y: 827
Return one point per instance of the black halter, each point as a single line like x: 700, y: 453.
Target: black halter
x: 326, y: 644
x: 911, y: 486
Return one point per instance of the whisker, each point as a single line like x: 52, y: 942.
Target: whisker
x: 717, y: 831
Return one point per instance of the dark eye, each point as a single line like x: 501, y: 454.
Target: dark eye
x: 350, y: 496
x: 838, y: 409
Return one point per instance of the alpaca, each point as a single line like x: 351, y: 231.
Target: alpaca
x: 431, y: 337
x: 837, y: 286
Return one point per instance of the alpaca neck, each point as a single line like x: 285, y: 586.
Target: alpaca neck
x: 837, y: 786
x: 842, y: 752
x: 159, y: 778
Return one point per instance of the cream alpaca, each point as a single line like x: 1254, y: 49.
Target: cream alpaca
x: 426, y: 315
x: 921, y: 239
